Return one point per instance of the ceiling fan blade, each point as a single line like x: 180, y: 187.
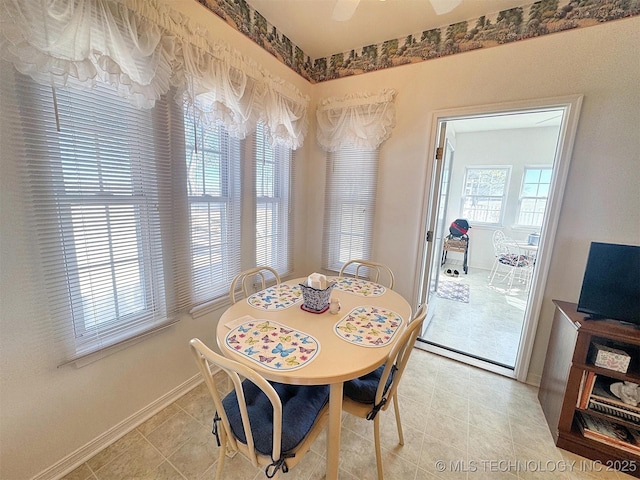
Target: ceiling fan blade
x: 444, y: 6
x: 344, y: 10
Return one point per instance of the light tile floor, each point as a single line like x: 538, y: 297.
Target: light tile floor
x: 459, y: 422
x: 488, y: 326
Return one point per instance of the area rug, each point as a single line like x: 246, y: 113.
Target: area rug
x: 453, y: 291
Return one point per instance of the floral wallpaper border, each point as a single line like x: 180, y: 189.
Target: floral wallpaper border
x: 520, y: 23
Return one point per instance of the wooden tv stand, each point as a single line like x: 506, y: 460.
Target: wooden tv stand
x: 567, y: 365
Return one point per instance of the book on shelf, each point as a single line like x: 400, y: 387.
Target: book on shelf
x: 614, y: 410
x: 595, y: 394
x: 586, y: 387
x: 610, y: 433
x: 581, y: 388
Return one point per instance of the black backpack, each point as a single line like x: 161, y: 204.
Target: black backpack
x: 459, y: 227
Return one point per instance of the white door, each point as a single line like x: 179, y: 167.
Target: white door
x: 567, y: 110
x: 436, y: 228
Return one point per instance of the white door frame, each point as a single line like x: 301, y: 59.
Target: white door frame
x: 571, y: 105
x: 433, y: 207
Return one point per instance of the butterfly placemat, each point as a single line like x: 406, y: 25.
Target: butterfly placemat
x: 357, y: 286
x: 272, y: 345
x: 277, y: 297
x: 368, y: 326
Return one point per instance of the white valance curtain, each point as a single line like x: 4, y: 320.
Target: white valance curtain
x: 144, y: 47
x: 361, y: 120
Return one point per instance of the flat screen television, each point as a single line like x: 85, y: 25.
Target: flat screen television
x: 611, y: 284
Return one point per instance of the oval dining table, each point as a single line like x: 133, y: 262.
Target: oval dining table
x: 341, y: 349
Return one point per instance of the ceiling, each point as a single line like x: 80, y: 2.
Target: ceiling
x: 309, y: 23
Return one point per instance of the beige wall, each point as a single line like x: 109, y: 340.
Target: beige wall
x: 602, y: 198
x: 48, y: 412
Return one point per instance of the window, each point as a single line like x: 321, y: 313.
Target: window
x: 95, y: 190
x: 213, y: 187
x: 484, y: 193
x: 273, y: 176
x: 217, y: 196
x: 533, y: 196
x: 350, y: 205
x: 138, y: 214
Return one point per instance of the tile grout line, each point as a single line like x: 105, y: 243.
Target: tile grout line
x: 514, y: 397
x: 166, y: 458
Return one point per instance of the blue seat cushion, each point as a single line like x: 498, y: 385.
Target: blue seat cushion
x: 363, y: 389
x: 300, y: 408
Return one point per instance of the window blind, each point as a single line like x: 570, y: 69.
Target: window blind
x: 350, y: 199
x: 95, y: 193
x: 213, y: 165
x: 138, y: 214
x: 274, y: 176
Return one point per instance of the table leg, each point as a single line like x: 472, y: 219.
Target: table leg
x: 333, y: 434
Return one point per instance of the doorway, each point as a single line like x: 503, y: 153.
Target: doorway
x: 503, y: 169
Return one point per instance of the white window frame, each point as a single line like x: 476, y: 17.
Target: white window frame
x: 537, y: 199
x: 162, y: 237
x: 215, y: 245
x: 243, y: 202
x: 350, y: 200
x: 96, y: 199
x: 273, y: 219
x: 74, y: 270
x: 484, y: 192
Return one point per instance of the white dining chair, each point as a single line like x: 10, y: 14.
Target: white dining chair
x: 369, y: 270
x: 370, y: 394
x: 247, y: 281
x: 510, y: 262
x: 272, y: 424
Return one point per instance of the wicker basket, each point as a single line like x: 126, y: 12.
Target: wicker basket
x: 455, y: 244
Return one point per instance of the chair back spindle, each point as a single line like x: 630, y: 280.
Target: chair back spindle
x: 369, y: 270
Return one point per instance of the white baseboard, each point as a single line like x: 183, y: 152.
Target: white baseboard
x: 84, y: 453
x: 534, y: 379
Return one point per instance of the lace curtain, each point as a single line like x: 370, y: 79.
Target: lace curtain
x: 144, y: 47
x: 359, y: 120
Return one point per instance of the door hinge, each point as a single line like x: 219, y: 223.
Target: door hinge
x: 429, y: 236
x: 439, y: 152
